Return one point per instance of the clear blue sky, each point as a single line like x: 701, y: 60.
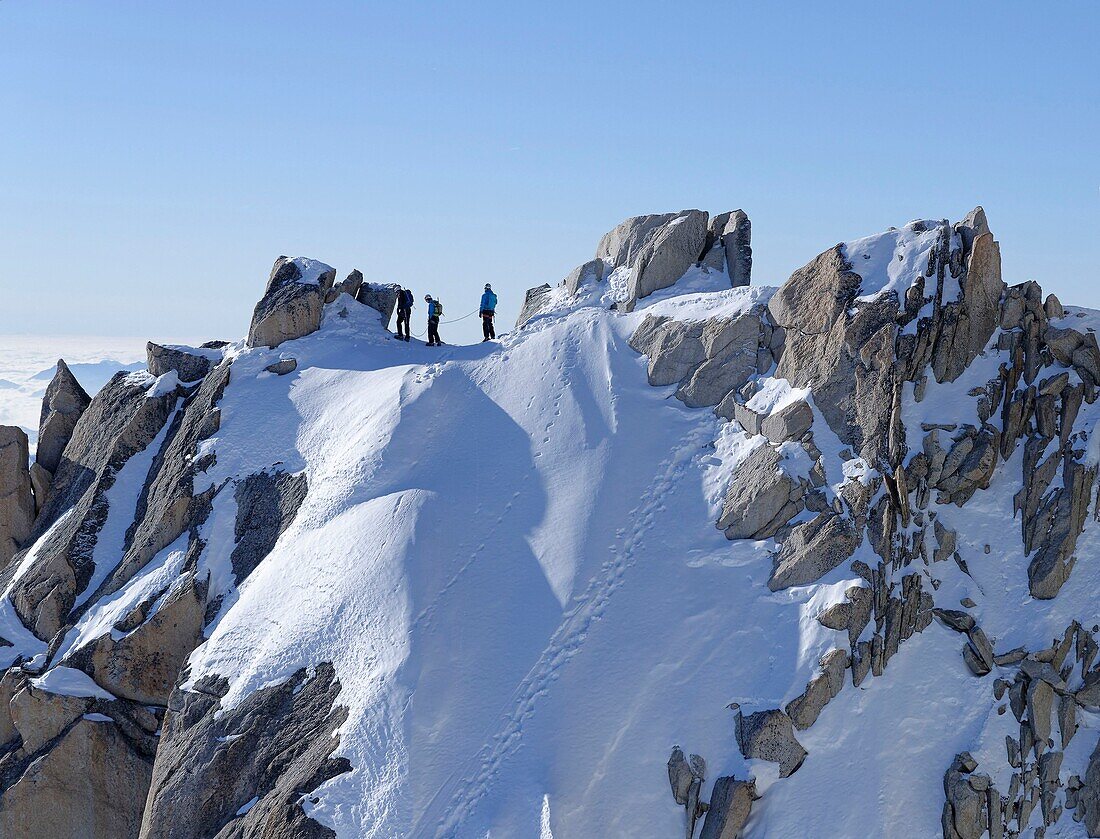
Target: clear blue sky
x: 155, y: 157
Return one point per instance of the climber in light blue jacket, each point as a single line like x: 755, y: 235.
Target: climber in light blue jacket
x: 488, y: 312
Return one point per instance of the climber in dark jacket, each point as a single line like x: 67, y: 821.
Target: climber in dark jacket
x: 404, y: 312
x: 433, y: 321
x: 488, y: 312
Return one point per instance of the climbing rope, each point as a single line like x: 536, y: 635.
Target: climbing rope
x: 454, y: 320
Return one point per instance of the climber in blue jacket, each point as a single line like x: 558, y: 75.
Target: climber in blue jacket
x: 488, y: 312
x: 435, y: 312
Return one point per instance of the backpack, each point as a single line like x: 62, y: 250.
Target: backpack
x: 406, y: 299
x: 438, y: 309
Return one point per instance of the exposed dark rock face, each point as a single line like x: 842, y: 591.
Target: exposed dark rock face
x: 266, y: 505
x: 291, y: 305
x: 17, y: 507
x: 275, y: 747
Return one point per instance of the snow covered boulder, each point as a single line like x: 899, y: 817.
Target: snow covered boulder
x: 65, y: 400
x: 16, y: 492
x: 283, y: 366
x: 292, y: 303
x: 190, y: 363
x: 381, y: 298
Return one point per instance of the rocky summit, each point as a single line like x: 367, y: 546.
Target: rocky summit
x: 682, y: 555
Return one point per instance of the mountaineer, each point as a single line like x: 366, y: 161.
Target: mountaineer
x: 488, y: 312
x: 404, y: 312
x: 435, y: 312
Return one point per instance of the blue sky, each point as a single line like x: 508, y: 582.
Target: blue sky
x: 155, y: 158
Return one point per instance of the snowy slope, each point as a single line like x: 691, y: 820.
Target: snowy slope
x: 508, y: 553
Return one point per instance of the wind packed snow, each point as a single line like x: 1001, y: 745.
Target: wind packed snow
x: 311, y: 270
x: 893, y: 260
x: 70, y: 682
x: 774, y: 395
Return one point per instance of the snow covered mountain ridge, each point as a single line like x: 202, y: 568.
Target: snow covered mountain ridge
x: 679, y: 556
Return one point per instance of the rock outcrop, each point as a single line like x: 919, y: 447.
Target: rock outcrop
x: 123, y: 420
x: 16, y: 492
x: 708, y: 359
x: 687, y: 776
x: 730, y: 234
x: 65, y: 400
x: 762, y: 497
x: 868, y: 350
x: 189, y: 363
x: 587, y: 274
x: 769, y: 735
x: 381, y: 298
x: 666, y: 254
x: 350, y: 285
x: 72, y: 766
x: 245, y: 770
x: 534, y: 303
x: 655, y: 251
x: 730, y: 806
x: 292, y: 303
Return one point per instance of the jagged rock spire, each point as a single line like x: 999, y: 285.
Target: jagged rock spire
x: 64, y: 402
